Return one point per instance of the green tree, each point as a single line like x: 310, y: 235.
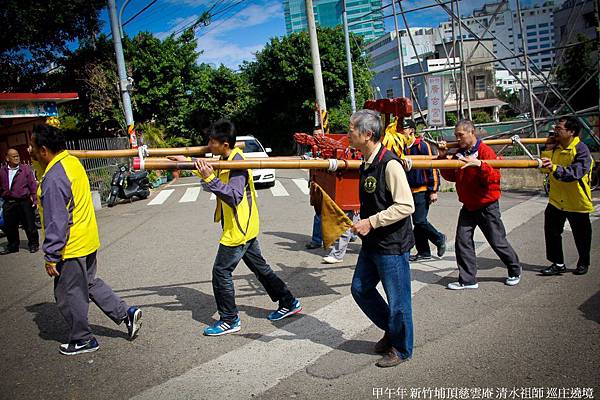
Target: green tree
x: 164, y: 73
x: 481, y: 117
x: 36, y: 34
x: 283, y: 86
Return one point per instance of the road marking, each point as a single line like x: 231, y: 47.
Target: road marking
x: 190, y: 195
x: 302, y: 185
x: 270, y: 359
x: 186, y: 184
x: 161, y: 197
x: 278, y: 190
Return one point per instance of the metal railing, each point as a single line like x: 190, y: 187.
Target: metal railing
x: 100, y: 170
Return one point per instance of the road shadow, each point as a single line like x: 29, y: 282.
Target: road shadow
x: 307, y: 327
x: 302, y: 281
x: 483, y: 265
x: 52, y: 326
x: 297, y: 242
x: 591, y: 308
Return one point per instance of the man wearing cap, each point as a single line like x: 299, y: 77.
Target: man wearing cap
x: 424, y: 184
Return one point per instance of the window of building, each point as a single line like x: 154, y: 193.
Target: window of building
x: 546, y: 59
x: 532, y: 47
x: 530, y: 26
x: 544, y: 39
x: 390, y: 93
x: 531, y: 33
x: 544, y: 32
x: 479, y: 83
x: 545, y: 24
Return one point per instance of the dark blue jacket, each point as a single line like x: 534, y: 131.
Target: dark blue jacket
x: 422, y: 180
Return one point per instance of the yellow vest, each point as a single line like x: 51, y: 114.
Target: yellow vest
x: 240, y: 223
x: 573, y: 196
x: 82, y: 236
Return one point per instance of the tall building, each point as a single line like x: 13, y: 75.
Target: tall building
x: 328, y: 13
x: 538, y: 23
x: 383, y: 51
x: 575, y: 17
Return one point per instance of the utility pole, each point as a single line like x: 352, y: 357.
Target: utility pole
x: 348, y: 57
x: 124, y: 83
x: 463, y: 63
x: 316, y: 63
x: 399, y: 44
x: 526, y: 65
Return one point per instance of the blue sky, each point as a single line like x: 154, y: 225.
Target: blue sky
x: 238, y: 32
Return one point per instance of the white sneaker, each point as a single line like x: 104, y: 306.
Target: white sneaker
x: 460, y: 286
x: 513, y: 280
x: 331, y: 260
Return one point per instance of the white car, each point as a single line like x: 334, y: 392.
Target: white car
x: 254, y: 149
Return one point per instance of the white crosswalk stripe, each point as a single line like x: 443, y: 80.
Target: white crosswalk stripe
x: 161, y: 197
x: 302, y: 185
x: 278, y: 190
x: 193, y: 190
x: 191, y: 194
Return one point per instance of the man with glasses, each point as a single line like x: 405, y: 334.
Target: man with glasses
x: 569, y: 162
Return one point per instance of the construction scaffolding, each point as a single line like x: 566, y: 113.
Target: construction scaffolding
x: 541, y: 115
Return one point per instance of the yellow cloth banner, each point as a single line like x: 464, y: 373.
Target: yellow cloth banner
x: 334, y: 221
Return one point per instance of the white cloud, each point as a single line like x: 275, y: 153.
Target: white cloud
x: 221, y: 51
x: 218, y: 40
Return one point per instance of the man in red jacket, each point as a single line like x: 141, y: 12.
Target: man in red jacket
x: 478, y: 188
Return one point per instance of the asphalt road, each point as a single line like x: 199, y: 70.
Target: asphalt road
x: 528, y: 341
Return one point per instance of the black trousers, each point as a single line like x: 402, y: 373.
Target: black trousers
x: 15, y: 213
x: 488, y: 220
x: 554, y: 223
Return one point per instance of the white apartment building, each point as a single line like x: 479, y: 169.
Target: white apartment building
x: 384, y: 50
x: 538, y: 24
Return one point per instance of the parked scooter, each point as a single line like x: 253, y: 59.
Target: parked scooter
x: 127, y: 184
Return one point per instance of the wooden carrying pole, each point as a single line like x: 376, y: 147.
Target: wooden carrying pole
x: 151, y: 164
x: 158, y: 152
x: 201, y: 150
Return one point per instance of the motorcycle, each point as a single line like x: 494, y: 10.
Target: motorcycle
x: 127, y: 184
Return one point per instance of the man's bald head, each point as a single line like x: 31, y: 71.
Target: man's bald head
x: 12, y: 157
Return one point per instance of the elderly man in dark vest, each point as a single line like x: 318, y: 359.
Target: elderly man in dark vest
x: 386, y: 203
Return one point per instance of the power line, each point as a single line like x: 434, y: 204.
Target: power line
x: 139, y: 12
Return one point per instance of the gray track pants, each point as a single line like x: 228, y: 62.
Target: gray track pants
x: 75, y: 287
x: 488, y: 220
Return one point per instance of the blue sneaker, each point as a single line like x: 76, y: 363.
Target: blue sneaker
x: 283, y: 312
x: 134, y: 315
x: 223, y: 328
x: 79, y: 347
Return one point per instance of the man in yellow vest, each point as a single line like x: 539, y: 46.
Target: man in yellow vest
x: 71, y: 242
x: 569, y: 163
x: 237, y: 212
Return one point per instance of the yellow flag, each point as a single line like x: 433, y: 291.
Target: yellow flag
x: 334, y: 221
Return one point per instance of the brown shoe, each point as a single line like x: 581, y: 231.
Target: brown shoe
x: 383, y: 346
x: 391, y: 359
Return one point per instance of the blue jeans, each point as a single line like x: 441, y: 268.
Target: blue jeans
x: 423, y: 230
x: 225, y: 263
x: 317, y: 235
x: 395, y: 316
